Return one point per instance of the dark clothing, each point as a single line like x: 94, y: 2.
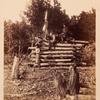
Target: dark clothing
x: 73, y: 83
x: 61, y: 87
x: 52, y: 41
x: 63, y: 37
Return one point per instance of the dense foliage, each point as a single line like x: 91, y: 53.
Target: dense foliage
x: 89, y: 54
x: 17, y: 37
x: 83, y: 26
x: 35, y: 14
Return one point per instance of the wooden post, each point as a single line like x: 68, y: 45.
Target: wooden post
x: 15, y: 68
x: 37, y: 56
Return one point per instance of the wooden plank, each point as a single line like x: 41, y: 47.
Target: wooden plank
x: 63, y: 68
x: 64, y: 44
x: 80, y: 41
x: 55, y: 64
x: 55, y: 60
x: 59, y: 44
x: 57, y: 49
x: 72, y: 41
x: 51, y: 68
x: 56, y: 56
x: 57, y: 52
x: 32, y: 48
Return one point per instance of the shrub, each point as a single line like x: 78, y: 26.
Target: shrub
x: 89, y: 54
x: 8, y: 59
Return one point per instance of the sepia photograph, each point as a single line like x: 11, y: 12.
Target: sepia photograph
x: 50, y: 50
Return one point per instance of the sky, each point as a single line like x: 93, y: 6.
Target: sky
x: 13, y: 9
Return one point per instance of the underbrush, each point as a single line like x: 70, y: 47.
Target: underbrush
x: 89, y: 54
x: 8, y: 59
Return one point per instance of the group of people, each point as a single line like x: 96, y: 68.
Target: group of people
x: 64, y: 36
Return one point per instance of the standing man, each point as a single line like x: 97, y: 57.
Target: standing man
x: 63, y: 34
x: 52, y: 40
x: 38, y: 45
x: 73, y: 83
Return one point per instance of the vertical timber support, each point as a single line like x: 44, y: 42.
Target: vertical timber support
x: 37, y: 62
x: 15, y: 68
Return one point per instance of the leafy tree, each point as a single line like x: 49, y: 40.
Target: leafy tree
x: 56, y: 17
x: 73, y: 26
x: 86, y: 26
x: 7, y: 37
x: 83, y: 26
x: 16, y: 37
x: 21, y: 36
x: 35, y: 15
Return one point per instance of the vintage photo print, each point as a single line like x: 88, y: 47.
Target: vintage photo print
x: 50, y: 50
